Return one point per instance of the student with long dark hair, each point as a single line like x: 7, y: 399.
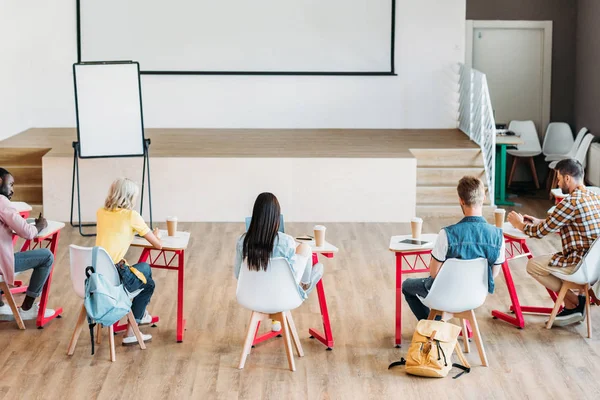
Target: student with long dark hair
x: 263, y: 241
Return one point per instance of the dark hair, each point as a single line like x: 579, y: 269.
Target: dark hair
x: 259, y: 240
x: 3, y: 173
x: 570, y: 167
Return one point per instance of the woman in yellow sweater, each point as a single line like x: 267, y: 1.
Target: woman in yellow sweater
x: 118, y: 222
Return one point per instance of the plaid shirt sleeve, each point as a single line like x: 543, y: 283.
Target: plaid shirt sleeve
x: 562, y: 214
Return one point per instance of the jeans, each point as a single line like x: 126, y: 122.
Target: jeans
x: 413, y: 287
x: 40, y: 261
x: 139, y: 303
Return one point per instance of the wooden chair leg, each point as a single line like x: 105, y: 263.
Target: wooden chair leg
x: 136, y: 330
x: 555, y: 180
x: 13, y: 306
x: 99, y: 333
x: 534, y: 172
x: 111, y: 342
x: 294, y: 333
x: 478, y: 340
x: 512, y: 170
x: 286, y: 339
x: 465, y: 334
x: 254, y: 319
x: 557, y: 304
x: 588, y: 311
x: 432, y: 314
x: 77, y: 331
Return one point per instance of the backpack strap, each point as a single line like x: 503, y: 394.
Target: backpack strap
x: 88, y: 270
x: 396, y: 363
x: 465, y: 366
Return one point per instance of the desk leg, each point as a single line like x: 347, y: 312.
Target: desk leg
x: 518, y: 319
x: 180, y: 280
x: 398, y: 330
x: 328, y: 339
x: 501, y: 194
x: 41, y: 320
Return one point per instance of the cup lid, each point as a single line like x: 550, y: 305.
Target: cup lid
x: 416, y: 219
x: 319, y: 227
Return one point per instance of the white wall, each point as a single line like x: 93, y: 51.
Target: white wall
x: 429, y: 41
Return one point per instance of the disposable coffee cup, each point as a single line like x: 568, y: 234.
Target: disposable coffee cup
x: 499, y: 214
x: 319, y: 235
x: 171, y: 225
x: 416, y: 225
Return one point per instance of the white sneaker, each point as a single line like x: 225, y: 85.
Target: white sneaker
x: 276, y: 326
x: 131, y: 340
x: 146, y: 319
x: 6, y: 313
x: 32, y: 313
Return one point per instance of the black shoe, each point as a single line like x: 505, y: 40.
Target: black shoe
x: 569, y: 316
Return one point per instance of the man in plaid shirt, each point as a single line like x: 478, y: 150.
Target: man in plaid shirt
x: 577, y: 218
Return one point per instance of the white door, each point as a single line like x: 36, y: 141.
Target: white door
x: 513, y: 60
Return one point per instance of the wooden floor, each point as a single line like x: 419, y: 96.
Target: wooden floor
x: 371, y: 143
x: 532, y: 363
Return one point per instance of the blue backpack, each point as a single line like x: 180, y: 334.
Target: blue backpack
x: 104, y: 303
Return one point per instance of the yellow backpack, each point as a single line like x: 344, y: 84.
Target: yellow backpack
x: 430, y: 352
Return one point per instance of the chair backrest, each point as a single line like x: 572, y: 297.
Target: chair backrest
x: 460, y: 285
x: 81, y: 258
x: 589, y: 267
x: 528, y: 133
x: 558, y: 139
x: 581, y: 154
x: 281, y: 224
x: 271, y: 291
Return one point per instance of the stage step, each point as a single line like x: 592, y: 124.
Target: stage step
x: 448, y: 157
x: 450, y: 211
x: 443, y: 176
x: 440, y: 195
x: 31, y: 194
x: 26, y: 175
x: 18, y: 157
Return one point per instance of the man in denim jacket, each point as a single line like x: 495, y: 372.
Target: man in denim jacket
x: 469, y: 239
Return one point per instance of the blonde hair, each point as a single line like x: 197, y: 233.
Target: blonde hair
x: 471, y: 190
x: 122, y: 194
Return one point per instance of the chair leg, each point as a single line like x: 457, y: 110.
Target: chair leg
x: 588, y: 311
x: 512, y: 170
x: 294, y: 334
x: 465, y: 333
x: 13, y: 306
x: 559, y: 301
x: 478, y: 341
x: 534, y: 172
x: 111, y: 342
x: 254, y: 319
x: 432, y: 314
x: 286, y: 339
x: 77, y: 331
x: 99, y: 333
x: 136, y: 330
x: 554, y: 180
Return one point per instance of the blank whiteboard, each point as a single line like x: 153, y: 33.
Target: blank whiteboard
x: 108, y: 104
x: 241, y: 36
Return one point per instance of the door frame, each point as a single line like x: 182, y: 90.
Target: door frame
x: 546, y: 27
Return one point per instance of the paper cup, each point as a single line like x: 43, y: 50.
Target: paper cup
x: 416, y: 226
x: 319, y: 231
x: 171, y: 225
x: 499, y: 215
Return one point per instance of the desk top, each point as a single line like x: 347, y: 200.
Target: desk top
x: 21, y: 206
x: 508, y: 140
x: 513, y: 233
x: 326, y: 248
x: 52, y: 228
x: 178, y: 242
x: 398, y: 247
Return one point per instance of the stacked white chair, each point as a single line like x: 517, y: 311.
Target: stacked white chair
x: 526, y: 151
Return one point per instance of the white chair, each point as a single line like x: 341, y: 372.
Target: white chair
x: 587, y: 273
x: 529, y: 149
x: 270, y: 294
x: 580, y: 155
x: 558, y: 139
x: 11, y: 302
x: 81, y: 258
x: 572, y: 150
x: 459, y: 288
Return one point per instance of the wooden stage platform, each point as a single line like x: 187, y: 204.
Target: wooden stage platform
x: 329, y: 175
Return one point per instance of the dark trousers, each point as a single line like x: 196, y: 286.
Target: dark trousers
x: 412, y: 290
